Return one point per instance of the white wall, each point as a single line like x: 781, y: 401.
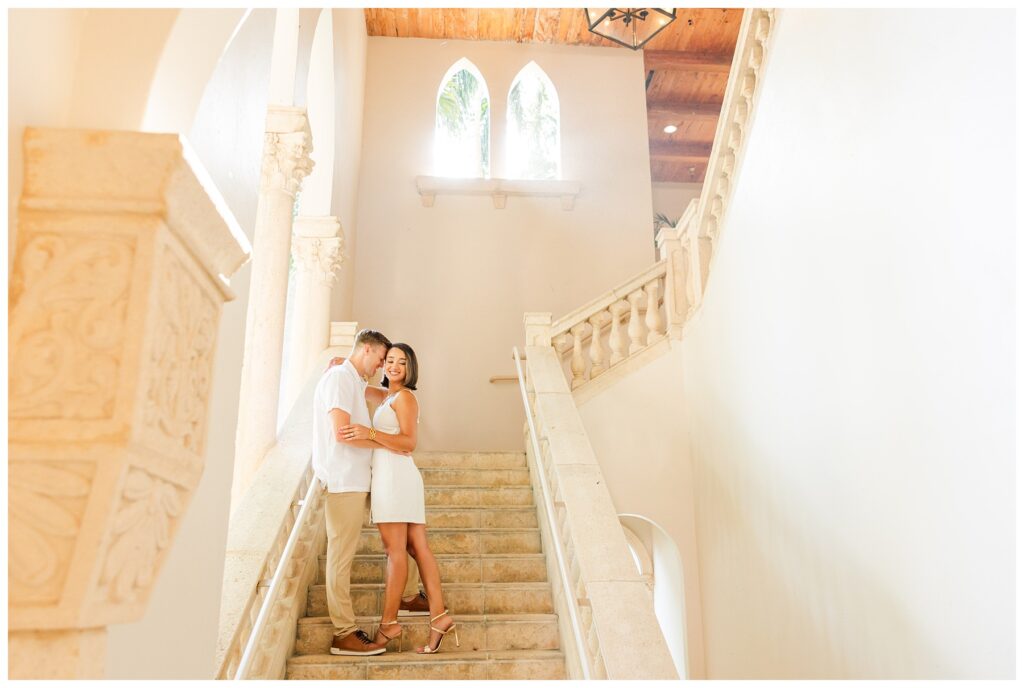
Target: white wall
x: 633, y: 426
x: 177, y: 637
x: 671, y: 198
x: 849, y: 381
x: 454, y: 280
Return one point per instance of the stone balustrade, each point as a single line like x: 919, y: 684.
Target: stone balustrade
x: 620, y: 632
x: 635, y: 320
x: 603, y: 333
x: 731, y: 133
x: 257, y: 534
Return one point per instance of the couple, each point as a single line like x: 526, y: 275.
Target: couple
x: 345, y: 446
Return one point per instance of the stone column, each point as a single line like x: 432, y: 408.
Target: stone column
x: 317, y: 255
x: 120, y: 273
x: 286, y: 161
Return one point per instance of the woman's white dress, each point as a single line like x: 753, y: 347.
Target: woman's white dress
x: 396, y: 487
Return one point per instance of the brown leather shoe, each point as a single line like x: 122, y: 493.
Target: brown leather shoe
x: 417, y: 606
x: 356, y: 643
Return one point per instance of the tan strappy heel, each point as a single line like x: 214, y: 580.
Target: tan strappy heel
x: 426, y: 649
x: 389, y: 638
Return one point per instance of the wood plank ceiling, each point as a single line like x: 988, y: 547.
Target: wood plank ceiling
x: 690, y: 60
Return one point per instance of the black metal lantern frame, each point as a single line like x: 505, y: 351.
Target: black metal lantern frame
x: 631, y: 24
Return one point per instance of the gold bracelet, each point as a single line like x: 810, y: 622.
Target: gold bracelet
x: 373, y: 434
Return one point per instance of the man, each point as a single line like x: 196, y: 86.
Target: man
x: 343, y: 466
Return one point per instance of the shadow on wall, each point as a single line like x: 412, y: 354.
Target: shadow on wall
x: 793, y: 612
x: 663, y: 563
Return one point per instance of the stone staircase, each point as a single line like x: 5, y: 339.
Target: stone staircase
x: 482, y: 527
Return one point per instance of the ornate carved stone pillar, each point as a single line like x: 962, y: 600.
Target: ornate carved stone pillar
x: 124, y: 249
x: 285, y: 162
x: 317, y: 252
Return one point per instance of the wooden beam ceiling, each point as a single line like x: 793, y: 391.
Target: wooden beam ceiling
x: 680, y: 110
x: 673, y: 150
x: 687, y: 62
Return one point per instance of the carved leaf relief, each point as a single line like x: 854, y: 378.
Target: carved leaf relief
x: 141, y: 531
x: 46, y: 501
x: 182, y: 358
x: 69, y: 304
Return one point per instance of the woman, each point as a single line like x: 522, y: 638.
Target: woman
x: 396, y: 495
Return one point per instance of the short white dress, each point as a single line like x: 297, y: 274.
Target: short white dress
x: 396, y: 487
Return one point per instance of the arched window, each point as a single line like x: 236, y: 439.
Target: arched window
x: 534, y: 143
x: 462, y: 127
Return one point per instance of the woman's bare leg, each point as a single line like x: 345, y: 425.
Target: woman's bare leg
x: 394, y: 536
x: 431, y: 576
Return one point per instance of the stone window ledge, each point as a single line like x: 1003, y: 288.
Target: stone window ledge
x: 498, y: 189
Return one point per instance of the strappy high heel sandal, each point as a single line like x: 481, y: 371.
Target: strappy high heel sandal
x: 389, y: 638
x: 426, y: 649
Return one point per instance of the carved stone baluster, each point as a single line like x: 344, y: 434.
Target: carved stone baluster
x: 597, y: 365
x: 635, y: 327
x: 654, y: 319
x: 578, y: 365
x: 615, y: 335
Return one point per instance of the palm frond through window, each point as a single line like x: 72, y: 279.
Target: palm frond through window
x: 533, y: 143
x: 462, y: 129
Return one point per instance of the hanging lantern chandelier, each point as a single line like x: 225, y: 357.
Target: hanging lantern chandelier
x: 629, y: 26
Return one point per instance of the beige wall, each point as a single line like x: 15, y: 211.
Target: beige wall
x: 849, y: 381
x: 349, y: 85
x: 671, y: 198
x: 42, y: 52
x: 110, y: 91
x: 227, y: 134
x: 454, y: 280
x: 633, y: 425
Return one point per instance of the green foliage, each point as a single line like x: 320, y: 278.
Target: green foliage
x: 462, y: 110
x: 535, y: 119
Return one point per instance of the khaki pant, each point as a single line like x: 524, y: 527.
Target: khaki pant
x: 344, y: 513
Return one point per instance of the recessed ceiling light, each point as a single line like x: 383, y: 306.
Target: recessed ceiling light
x: 671, y: 129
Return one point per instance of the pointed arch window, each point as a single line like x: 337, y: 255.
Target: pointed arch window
x: 462, y: 125
x: 534, y: 148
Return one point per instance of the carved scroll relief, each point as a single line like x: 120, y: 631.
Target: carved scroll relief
x: 70, y: 301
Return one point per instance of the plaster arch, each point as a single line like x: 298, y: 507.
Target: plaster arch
x: 194, y: 46
x: 668, y: 584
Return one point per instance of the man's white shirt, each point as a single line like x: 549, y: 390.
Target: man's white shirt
x: 341, y: 467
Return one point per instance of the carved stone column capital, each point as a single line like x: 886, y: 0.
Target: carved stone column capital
x: 117, y: 287
x: 286, y: 150
x: 318, y: 247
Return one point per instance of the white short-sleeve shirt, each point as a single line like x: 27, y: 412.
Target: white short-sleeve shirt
x: 342, y: 468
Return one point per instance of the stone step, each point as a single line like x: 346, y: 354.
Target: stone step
x: 465, y: 541
x: 477, y: 517
x: 476, y: 632
x: 457, y: 568
x: 475, y: 477
x: 441, y: 459
x: 460, y: 598
x: 449, y: 664
x: 451, y: 496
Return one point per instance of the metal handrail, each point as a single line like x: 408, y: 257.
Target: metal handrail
x: 570, y: 594
x: 275, y: 582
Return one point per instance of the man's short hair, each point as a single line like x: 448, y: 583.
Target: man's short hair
x: 372, y: 337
